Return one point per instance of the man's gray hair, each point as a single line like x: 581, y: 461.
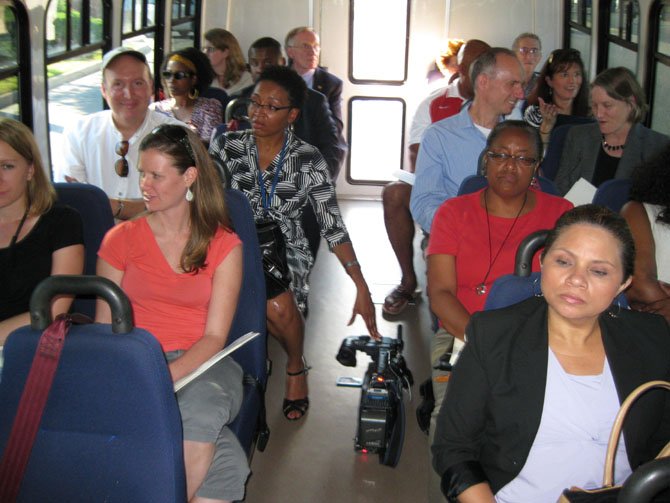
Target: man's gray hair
x: 527, y: 34
x: 486, y: 63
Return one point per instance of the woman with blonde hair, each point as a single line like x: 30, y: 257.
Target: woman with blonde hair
x: 38, y: 237
x: 225, y: 55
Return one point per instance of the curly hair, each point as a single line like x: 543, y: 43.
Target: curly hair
x: 203, y: 68
x: 651, y: 184
x: 289, y: 80
x: 558, y: 61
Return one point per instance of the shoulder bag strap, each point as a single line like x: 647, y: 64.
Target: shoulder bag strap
x: 29, y: 412
x: 608, y: 477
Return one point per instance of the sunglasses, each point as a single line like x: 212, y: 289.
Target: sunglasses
x: 176, y: 134
x: 176, y: 75
x: 121, y: 165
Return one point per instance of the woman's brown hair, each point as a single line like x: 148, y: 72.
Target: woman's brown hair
x: 235, y: 64
x: 208, y: 209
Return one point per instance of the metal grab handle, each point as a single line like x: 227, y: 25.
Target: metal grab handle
x: 40, y: 300
x: 523, y: 263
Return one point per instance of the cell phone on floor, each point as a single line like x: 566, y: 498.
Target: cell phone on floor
x: 352, y: 382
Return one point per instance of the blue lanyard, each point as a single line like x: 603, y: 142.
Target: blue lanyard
x: 265, y: 200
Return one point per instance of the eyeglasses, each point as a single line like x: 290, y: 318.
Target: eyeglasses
x: 176, y: 75
x: 500, y: 158
x: 176, y: 134
x: 270, y: 108
x: 529, y: 50
x: 121, y: 165
x: 307, y: 47
x: 209, y: 50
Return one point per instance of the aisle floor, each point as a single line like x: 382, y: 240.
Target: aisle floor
x: 314, y: 459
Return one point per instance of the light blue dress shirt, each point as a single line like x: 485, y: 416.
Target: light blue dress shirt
x: 449, y: 152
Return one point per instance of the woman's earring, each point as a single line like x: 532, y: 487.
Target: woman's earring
x: 193, y: 94
x: 189, y: 195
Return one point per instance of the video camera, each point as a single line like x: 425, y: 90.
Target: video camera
x: 381, y: 413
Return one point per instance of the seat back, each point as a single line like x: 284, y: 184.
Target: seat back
x: 613, y: 194
x: 96, y: 214
x: 552, y: 157
x: 473, y: 183
x: 111, y: 428
x: 249, y: 317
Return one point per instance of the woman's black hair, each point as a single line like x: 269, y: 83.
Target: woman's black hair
x: 203, y: 68
x: 558, y: 61
x: 289, y: 80
x: 599, y: 216
x: 523, y: 126
x: 651, y: 184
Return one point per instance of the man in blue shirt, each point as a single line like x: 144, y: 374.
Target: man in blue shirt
x: 450, y: 148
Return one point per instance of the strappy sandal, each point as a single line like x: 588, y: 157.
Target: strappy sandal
x: 397, y: 299
x: 299, y: 405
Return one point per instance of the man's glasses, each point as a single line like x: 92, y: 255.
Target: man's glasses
x: 528, y: 50
x: 500, y: 158
x: 307, y: 47
x: 253, y: 104
x: 176, y: 75
x: 121, y: 165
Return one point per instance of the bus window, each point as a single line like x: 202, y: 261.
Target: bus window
x: 74, y: 42
x: 376, y: 125
x: 14, y: 82
x: 378, y: 55
x: 185, y: 29
x: 659, y: 98
x: 621, y: 26
x: 142, y: 32
x: 579, y: 22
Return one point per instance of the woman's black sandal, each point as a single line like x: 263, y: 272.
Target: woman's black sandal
x: 301, y: 404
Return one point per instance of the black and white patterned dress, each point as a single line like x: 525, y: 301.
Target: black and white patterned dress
x: 304, y: 177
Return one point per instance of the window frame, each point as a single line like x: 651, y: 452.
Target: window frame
x: 381, y: 183
x: 195, y: 17
x: 24, y: 77
x: 605, y: 38
x: 351, y: 50
x: 654, y: 56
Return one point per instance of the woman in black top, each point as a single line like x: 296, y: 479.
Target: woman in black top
x: 37, y: 237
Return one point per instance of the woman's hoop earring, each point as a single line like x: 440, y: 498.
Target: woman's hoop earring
x: 611, y: 310
x: 189, y: 195
x: 193, y: 94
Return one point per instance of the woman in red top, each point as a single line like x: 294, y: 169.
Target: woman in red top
x: 181, y: 266
x: 474, y: 237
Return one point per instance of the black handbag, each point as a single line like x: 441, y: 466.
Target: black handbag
x: 273, y: 252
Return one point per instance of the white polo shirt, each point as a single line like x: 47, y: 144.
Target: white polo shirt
x: 89, y: 153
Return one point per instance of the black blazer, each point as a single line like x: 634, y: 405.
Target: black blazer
x: 493, y: 406
x: 330, y: 86
x: 315, y: 125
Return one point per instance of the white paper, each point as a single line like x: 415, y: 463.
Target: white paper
x: 581, y: 192
x: 238, y: 343
x: 404, y: 176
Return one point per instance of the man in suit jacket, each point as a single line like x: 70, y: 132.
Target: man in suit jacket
x: 303, y: 49
x: 315, y: 124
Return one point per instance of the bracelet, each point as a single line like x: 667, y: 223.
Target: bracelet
x: 118, y: 212
x: 351, y: 263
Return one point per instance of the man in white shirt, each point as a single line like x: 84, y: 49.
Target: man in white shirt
x: 103, y: 148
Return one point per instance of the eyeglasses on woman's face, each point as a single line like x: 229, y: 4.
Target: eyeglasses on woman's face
x: 271, y: 109
x: 121, y: 165
x: 167, y: 75
x: 501, y: 158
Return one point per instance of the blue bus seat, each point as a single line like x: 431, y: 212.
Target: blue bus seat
x: 250, y: 317
x: 613, y: 194
x: 552, y: 157
x: 96, y: 214
x: 111, y: 428
x: 473, y: 183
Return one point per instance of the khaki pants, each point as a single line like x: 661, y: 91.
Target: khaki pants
x: 442, y: 342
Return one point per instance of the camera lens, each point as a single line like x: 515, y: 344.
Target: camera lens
x: 346, y: 356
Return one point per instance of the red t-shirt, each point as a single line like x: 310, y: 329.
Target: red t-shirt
x: 172, y: 306
x: 460, y: 229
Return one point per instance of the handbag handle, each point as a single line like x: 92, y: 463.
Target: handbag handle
x: 608, y: 477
